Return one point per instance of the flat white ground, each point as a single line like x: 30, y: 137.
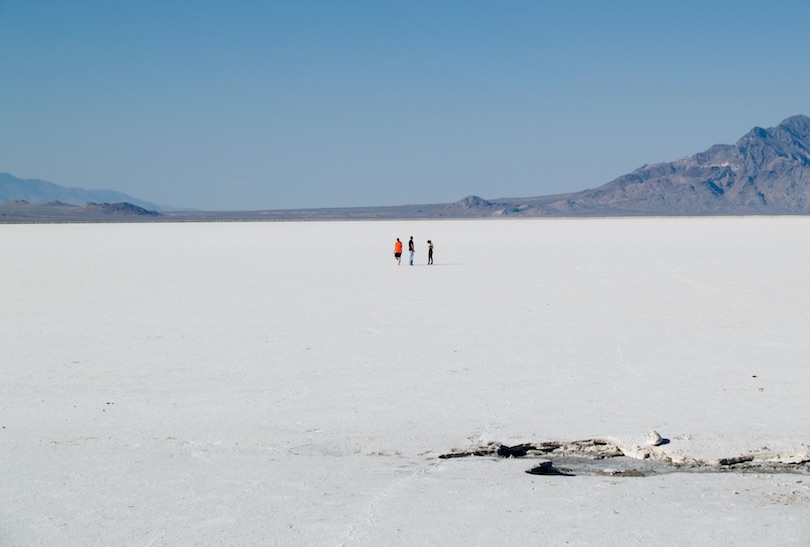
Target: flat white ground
x: 288, y: 384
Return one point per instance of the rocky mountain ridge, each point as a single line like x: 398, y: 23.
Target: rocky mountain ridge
x: 766, y: 172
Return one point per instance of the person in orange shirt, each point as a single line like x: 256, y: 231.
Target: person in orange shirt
x: 398, y: 251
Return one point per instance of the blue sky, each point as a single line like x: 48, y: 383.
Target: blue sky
x: 253, y: 105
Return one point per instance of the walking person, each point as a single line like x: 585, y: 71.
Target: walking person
x: 430, y: 252
x: 398, y: 251
x: 410, y: 249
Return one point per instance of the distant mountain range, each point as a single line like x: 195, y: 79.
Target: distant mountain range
x: 767, y: 172
x: 40, y: 191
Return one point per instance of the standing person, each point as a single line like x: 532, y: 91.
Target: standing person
x: 398, y: 251
x: 410, y: 249
x: 430, y: 252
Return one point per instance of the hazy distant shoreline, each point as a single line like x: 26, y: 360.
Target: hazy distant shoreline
x: 38, y: 213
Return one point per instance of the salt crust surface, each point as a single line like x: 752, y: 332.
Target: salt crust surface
x: 288, y: 384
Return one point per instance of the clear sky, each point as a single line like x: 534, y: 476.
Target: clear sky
x: 285, y: 104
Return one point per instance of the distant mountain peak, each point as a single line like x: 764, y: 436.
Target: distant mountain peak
x: 793, y: 132
x: 471, y: 202
x: 799, y: 123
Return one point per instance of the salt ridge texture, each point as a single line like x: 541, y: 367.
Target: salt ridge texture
x: 287, y: 383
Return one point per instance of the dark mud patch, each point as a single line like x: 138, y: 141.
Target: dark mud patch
x: 607, y: 458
